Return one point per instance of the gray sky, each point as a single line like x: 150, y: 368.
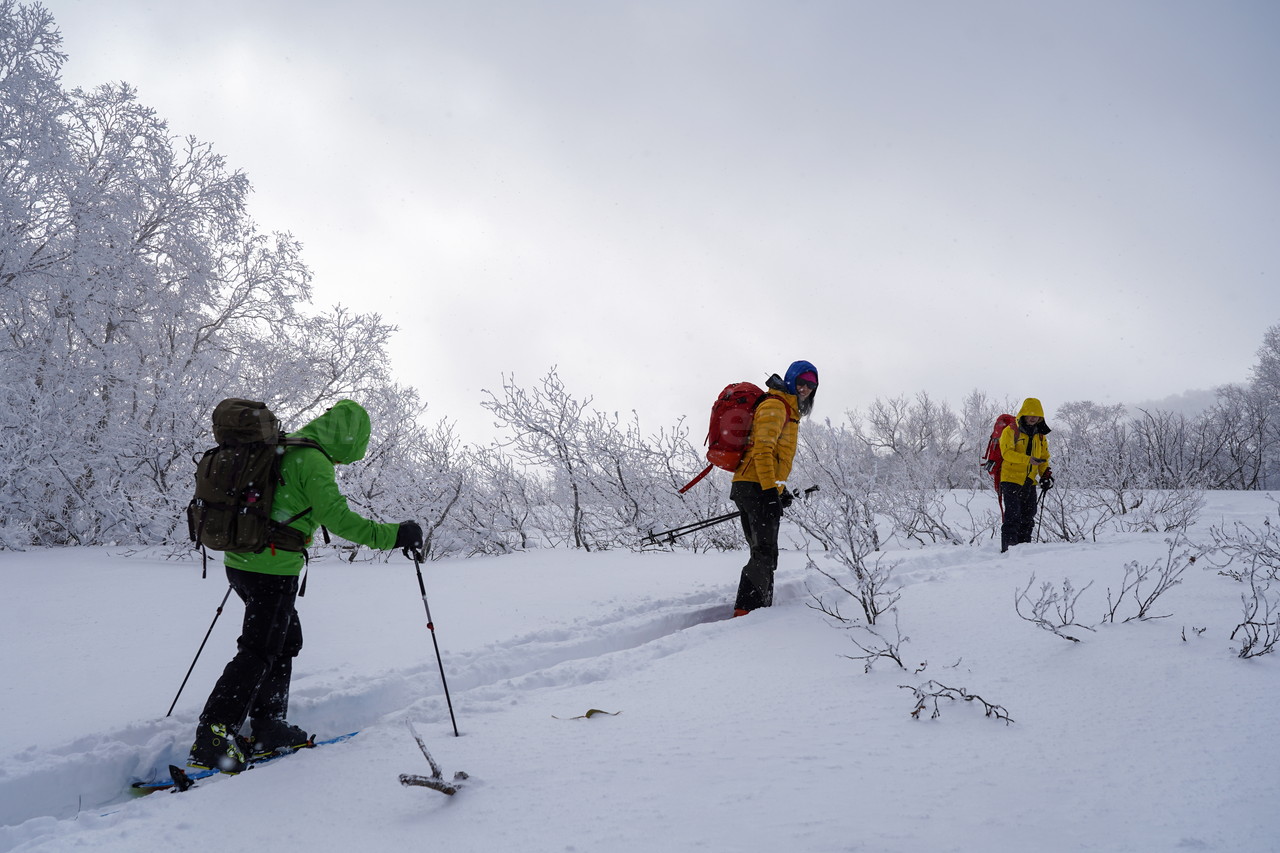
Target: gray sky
x: 1069, y: 200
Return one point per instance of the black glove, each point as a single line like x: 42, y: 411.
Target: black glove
x: 409, y: 537
x: 770, y: 501
x: 786, y: 499
x: 1046, y: 481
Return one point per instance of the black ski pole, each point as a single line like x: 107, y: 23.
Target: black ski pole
x: 201, y: 649
x: 674, y: 533
x: 1035, y: 537
x: 431, y: 626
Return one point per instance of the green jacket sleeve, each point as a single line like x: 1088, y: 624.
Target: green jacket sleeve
x: 315, y: 486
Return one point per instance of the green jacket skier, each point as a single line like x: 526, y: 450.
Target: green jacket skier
x: 309, y: 482
x: 255, y: 684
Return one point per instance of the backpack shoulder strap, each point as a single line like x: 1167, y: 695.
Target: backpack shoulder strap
x: 293, y: 441
x: 783, y: 400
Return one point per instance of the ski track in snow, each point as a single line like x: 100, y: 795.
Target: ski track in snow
x: 99, y: 766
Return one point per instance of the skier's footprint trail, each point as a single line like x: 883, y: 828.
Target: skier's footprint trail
x: 91, y: 772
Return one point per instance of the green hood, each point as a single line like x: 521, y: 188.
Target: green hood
x: 343, y: 431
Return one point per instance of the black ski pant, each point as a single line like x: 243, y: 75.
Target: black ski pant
x: 1019, y: 513
x: 256, y: 681
x: 760, y: 523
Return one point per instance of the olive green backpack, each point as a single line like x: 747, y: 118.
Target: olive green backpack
x: 236, y: 483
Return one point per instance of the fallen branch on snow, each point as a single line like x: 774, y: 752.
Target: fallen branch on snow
x: 436, y: 780
x: 933, y: 691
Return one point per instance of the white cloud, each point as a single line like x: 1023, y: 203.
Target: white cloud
x: 1068, y: 202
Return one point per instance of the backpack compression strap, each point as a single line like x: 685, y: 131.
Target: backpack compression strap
x: 689, y: 485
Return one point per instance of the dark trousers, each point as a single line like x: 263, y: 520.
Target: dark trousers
x: 760, y: 525
x: 1019, y: 513
x: 256, y: 681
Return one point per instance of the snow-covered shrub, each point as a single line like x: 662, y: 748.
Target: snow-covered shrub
x: 606, y: 484
x: 501, y: 512
x: 841, y: 522
x: 928, y: 694
x: 1244, y: 551
x: 845, y: 516
x: 1054, y: 610
x: 975, y: 523
x: 1251, y: 556
x: 1114, y: 473
x: 1146, y: 583
x: 870, y: 585
x: 1259, y: 630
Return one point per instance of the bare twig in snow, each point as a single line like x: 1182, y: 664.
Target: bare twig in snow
x: 931, y: 691
x: 1054, y: 610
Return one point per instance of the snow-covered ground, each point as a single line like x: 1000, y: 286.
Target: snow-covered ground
x: 752, y: 734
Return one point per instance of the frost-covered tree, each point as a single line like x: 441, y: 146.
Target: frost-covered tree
x: 1243, y: 420
x: 132, y: 308
x: 135, y: 292
x: 544, y: 424
x: 607, y: 484
x: 846, y: 517
x: 502, y: 513
x: 1266, y: 387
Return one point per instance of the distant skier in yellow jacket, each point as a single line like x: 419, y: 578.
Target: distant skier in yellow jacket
x: 1025, y: 451
x: 759, y: 488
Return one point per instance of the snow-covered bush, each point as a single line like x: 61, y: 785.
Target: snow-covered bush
x: 1259, y: 630
x: 1054, y: 609
x: 927, y: 696
x: 1243, y: 551
x: 840, y: 525
x: 1146, y: 583
x: 607, y: 485
x: 1115, y: 473
x: 1251, y: 556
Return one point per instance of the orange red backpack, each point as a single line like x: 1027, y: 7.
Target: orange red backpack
x: 729, y: 432
x: 992, y: 459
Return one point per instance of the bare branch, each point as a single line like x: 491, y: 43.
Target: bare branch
x: 1054, y: 610
x: 928, y: 694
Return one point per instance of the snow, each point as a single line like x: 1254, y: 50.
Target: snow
x: 751, y: 734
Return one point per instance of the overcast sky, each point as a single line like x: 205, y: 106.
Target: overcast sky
x: 1069, y: 200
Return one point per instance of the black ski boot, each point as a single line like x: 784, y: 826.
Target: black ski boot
x: 217, y: 747
x: 271, y: 736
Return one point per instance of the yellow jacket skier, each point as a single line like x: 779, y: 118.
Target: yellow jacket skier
x: 1025, y: 451
x: 758, y: 487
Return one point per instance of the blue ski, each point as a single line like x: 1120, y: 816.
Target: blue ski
x: 182, y: 780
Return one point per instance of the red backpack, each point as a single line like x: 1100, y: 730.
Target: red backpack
x: 992, y: 459
x: 729, y: 433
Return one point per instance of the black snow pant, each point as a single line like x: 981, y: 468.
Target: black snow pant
x: 760, y: 525
x: 1019, y: 513
x: 256, y: 681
